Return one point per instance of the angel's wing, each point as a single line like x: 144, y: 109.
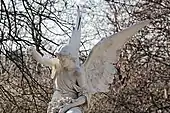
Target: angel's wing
x: 98, y: 68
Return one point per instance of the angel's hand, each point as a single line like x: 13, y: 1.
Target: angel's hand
x: 65, y: 108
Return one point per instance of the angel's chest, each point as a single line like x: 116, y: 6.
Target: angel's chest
x: 66, y: 80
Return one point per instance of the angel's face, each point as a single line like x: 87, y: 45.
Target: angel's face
x: 67, y: 62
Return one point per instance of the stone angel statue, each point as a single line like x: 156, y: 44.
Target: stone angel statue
x: 75, y: 83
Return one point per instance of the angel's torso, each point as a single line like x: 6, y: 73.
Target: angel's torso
x: 66, y: 84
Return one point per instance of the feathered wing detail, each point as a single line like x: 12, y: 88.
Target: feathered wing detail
x: 99, y: 68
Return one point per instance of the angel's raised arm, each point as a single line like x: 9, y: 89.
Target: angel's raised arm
x: 43, y: 60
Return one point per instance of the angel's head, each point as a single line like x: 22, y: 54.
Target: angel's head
x: 66, y: 57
